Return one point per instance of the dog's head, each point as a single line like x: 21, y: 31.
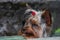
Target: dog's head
x: 32, y: 23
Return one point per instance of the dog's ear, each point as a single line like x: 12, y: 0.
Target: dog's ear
x: 28, y: 6
x: 48, y: 18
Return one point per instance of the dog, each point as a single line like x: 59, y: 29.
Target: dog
x: 37, y: 24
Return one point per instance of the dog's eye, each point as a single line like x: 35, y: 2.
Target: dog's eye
x: 34, y: 25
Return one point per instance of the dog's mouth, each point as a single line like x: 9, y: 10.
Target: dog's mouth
x: 28, y: 33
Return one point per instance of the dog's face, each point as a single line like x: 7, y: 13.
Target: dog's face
x: 30, y: 27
